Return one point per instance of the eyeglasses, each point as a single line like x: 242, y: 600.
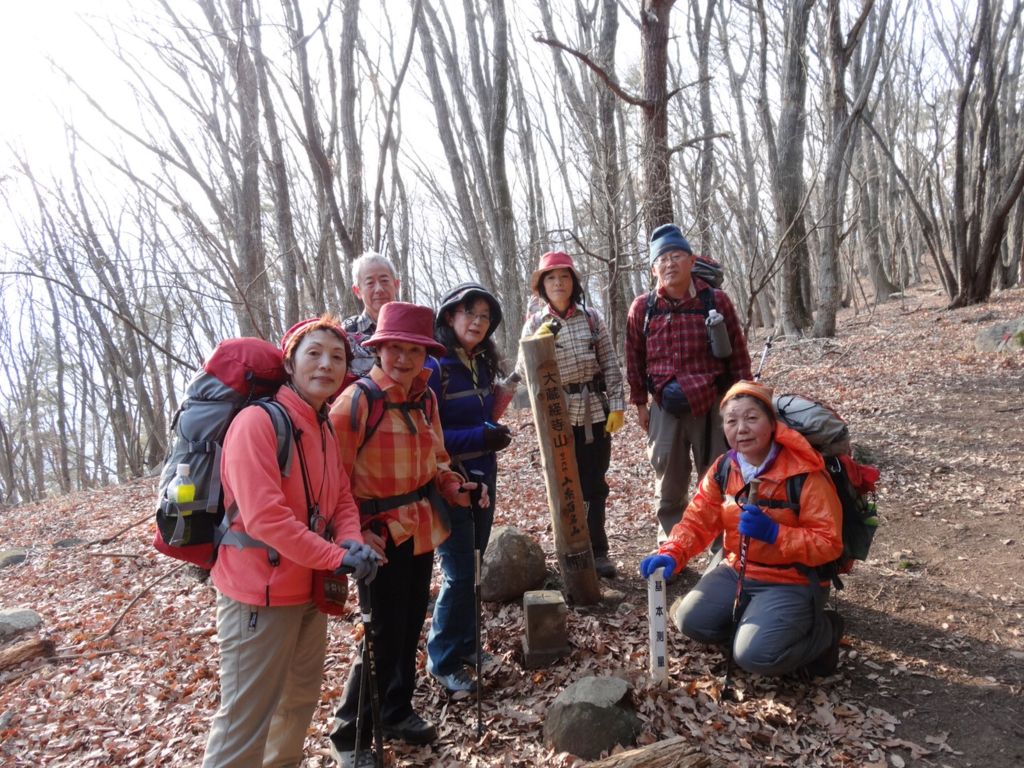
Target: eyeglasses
x: 473, y: 317
x: 668, y: 256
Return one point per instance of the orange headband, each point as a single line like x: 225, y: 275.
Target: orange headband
x: 751, y: 388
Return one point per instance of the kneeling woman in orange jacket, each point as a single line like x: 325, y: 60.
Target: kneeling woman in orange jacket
x: 783, y: 625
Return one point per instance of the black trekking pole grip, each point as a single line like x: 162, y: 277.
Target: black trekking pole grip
x: 476, y: 476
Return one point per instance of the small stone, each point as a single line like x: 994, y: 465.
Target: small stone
x: 68, y: 543
x: 590, y: 717
x: 14, y: 621
x: 13, y: 557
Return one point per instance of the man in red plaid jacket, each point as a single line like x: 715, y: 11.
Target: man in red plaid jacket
x: 670, y: 359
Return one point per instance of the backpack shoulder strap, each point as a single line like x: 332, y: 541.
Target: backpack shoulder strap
x: 445, y: 375
x: 283, y: 428
x: 592, y: 322
x: 374, y: 399
x: 707, y: 298
x: 722, y: 473
x: 795, y: 487
x: 652, y: 299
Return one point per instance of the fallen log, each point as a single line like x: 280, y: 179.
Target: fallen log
x: 13, y: 655
x: 676, y: 752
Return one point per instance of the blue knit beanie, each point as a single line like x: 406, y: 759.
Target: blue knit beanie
x: 666, y: 238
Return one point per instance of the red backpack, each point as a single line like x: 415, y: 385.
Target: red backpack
x: 240, y: 372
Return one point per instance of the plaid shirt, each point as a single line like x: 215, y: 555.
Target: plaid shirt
x: 395, y: 461
x: 580, y: 358
x: 359, y: 328
x: 676, y: 346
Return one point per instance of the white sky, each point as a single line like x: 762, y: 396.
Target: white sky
x: 29, y: 89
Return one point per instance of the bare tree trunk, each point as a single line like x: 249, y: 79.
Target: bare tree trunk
x: 255, y: 318
x: 349, y: 136
x: 654, y: 27
x: 290, y: 251
x: 842, y: 122
x: 702, y: 26
x: 62, y: 467
x: 786, y: 158
x: 986, y: 185
x: 505, y: 234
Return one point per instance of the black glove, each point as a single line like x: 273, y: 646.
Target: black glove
x: 673, y: 399
x: 497, y: 437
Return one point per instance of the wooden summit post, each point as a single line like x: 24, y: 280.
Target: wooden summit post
x: 561, y: 477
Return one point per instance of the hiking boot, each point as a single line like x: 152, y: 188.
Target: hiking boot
x: 828, y: 660
x: 412, y: 730
x: 346, y: 758
x: 487, y: 660
x: 457, y: 681
x: 605, y: 567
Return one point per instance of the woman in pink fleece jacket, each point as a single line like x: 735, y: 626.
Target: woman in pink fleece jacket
x: 272, y: 637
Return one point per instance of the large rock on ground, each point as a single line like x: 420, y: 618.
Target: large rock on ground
x: 591, y: 716
x: 1003, y: 337
x: 14, y: 621
x: 513, y: 565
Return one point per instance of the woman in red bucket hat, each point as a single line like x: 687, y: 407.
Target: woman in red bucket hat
x: 393, y: 449
x: 591, y: 378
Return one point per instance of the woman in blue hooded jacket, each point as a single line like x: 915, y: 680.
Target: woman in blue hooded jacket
x: 464, y: 380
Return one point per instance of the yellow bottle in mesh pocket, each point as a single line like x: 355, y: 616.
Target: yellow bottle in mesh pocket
x: 181, y: 489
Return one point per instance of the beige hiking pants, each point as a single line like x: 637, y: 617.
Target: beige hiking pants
x: 271, y: 666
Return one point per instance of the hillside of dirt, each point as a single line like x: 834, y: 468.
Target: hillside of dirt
x: 931, y: 670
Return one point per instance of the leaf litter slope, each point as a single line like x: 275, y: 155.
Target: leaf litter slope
x: 931, y: 670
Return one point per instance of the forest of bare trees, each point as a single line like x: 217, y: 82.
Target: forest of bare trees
x: 239, y: 155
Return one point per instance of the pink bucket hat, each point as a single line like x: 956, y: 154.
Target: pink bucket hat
x: 408, y: 324
x: 553, y: 260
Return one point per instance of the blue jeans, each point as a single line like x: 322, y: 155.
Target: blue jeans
x: 452, y: 634
x: 782, y: 626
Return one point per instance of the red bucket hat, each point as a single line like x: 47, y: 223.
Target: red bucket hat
x: 293, y: 336
x: 552, y: 260
x: 406, y: 323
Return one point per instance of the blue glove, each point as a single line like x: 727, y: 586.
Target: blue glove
x: 360, y: 560
x: 652, y: 563
x: 757, y: 525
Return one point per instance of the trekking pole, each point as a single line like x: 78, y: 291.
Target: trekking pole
x: 368, y: 674
x: 474, y: 503
x: 744, y: 546
x: 764, y: 355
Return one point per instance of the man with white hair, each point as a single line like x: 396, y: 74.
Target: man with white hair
x: 374, y: 283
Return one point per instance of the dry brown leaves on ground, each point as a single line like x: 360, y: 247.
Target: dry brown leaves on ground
x: 931, y: 668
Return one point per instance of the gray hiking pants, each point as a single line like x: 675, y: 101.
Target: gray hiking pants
x: 671, y: 440
x: 782, y: 626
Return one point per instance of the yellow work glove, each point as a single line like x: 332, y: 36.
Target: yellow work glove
x: 615, y: 421
x: 547, y: 328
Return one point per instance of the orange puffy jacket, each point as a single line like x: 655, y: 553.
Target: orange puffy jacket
x: 812, y: 537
